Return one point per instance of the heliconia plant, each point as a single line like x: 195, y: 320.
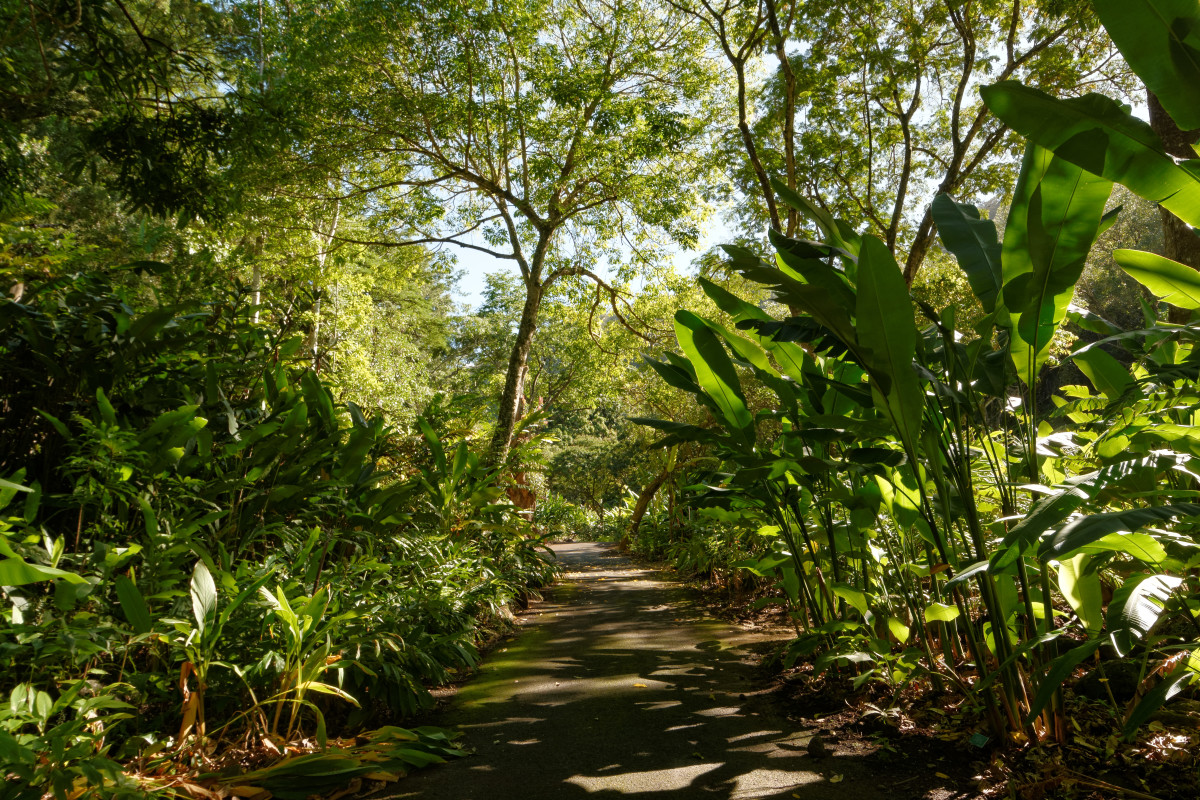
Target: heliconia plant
x: 927, y: 516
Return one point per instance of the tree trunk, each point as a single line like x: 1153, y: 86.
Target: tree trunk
x: 1179, y: 242
x: 920, y: 246
x: 514, y: 379
x: 643, y: 503
x: 789, y: 111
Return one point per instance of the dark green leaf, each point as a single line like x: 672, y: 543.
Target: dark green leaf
x: 973, y: 242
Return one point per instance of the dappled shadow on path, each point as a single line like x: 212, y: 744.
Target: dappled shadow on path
x: 619, y: 687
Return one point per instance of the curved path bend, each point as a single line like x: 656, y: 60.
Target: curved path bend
x: 617, y: 686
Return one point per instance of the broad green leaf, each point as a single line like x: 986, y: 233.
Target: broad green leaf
x: 898, y: 629
x: 834, y: 232
x: 673, y: 375
x: 887, y: 338
x: 789, y: 355
x: 731, y: 304
x: 1136, y: 607
x: 1106, y: 373
x: 940, y: 612
x: 1086, y: 530
x: 1095, y: 133
x: 974, y: 244
x: 13, y: 487
x: 19, y: 572
x: 1053, y: 221
x: 1081, y: 589
x: 715, y: 373
x: 822, y: 305
x: 855, y: 597
x: 747, y: 350
x: 133, y: 605
x: 1141, y: 546
x: 1167, y: 280
x: 680, y: 430
x: 1146, y: 30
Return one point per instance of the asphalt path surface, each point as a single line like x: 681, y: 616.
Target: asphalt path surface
x: 618, y: 686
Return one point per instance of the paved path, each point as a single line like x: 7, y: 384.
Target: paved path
x: 618, y: 686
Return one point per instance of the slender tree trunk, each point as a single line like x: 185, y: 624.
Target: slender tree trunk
x: 920, y: 246
x: 789, y: 110
x: 324, y: 242
x: 510, y: 399
x: 1179, y: 242
x: 643, y: 503
x: 760, y: 173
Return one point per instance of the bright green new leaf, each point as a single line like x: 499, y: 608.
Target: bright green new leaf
x: 204, y: 595
x: 898, y: 629
x: 855, y: 597
x: 940, y: 612
x: 325, y: 688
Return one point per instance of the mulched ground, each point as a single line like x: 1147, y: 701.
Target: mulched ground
x: 929, y: 747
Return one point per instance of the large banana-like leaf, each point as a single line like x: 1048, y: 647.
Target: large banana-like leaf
x: 715, y: 373
x: 1098, y: 135
x: 1145, y: 30
x: 746, y: 349
x: 1049, y: 511
x: 1136, y: 607
x: 731, y: 304
x: 680, y: 431
x: 836, y: 232
x: 1167, y: 280
x: 831, y: 310
x: 887, y: 338
x: 974, y: 244
x: 1085, y: 530
x: 1055, y: 217
x: 789, y: 355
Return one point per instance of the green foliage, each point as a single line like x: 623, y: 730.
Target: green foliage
x: 885, y: 511
x: 210, y: 525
